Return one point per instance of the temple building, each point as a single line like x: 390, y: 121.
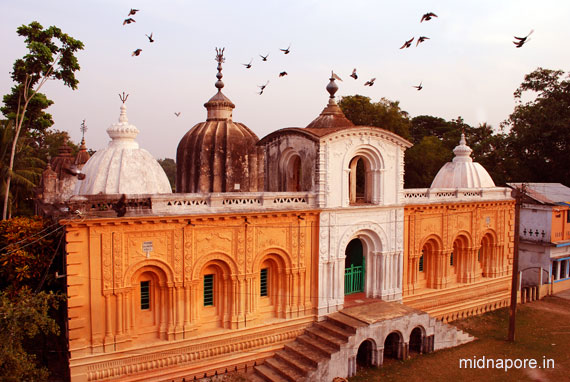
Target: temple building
x: 261, y: 258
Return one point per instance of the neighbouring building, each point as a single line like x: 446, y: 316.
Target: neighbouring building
x: 544, y: 247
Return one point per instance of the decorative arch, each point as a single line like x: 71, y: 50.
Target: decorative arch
x: 271, y: 283
x: 416, y: 339
x: 367, y: 354
x: 220, y: 256
x: 393, y: 344
x: 370, y: 232
x: 433, y: 261
x: 152, y: 263
x: 461, y: 258
x: 274, y: 251
x: 291, y: 171
x: 216, y: 290
x: 491, y: 255
x: 369, y: 174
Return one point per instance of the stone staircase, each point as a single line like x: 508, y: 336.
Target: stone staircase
x: 461, y: 301
x: 450, y: 336
x: 298, y: 360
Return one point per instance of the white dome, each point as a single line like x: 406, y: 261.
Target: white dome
x: 122, y: 167
x: 462, y: 172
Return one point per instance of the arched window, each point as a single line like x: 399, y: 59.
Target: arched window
x: 360, y: 187
x: 273, y: 286
x: 294, y: 174
x: 215, y: 293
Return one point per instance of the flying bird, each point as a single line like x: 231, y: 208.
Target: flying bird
x: 136, y: 52
x: 428, y: 16
x: 419, y: 87
x: 407, y: 44
x: 177, y: 113
x: 129, y: 20
x: 247, y: 66
x: 354, y: 75
x: 421, y: 39
x: 522, y: 40
x: 286, y: 51
x: 264, y: 58
x: 262, y: 87
x: 132, y: 12
x: 370, y: 83
x: 150, y: 39
x: 282, y: 74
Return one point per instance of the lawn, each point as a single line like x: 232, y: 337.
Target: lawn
x: 542, y: 333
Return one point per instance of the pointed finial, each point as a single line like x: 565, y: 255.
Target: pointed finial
x: 83, y: 129
x: 123, y: 97
x: 462, y: 141
x: 332, y: 87
x: 220, y: 59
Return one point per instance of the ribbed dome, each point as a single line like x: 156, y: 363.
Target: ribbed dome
x: 218, y: 155
x: 122, y: 167
x: 462, y: 172
x: 332, y: 115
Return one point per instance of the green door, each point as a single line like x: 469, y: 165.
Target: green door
x: 354, y: 267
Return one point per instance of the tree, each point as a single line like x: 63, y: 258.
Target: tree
x: 423, y: 160
x: 384, y: 113
x: 22, y: 318
x: 539, y: 130
x: 51, y: 55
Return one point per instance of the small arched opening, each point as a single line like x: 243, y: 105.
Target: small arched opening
x: 365, y: 354
x: 485, y: 256
x: 360, y: 185
x: 354, y: 267
x: 393, y: 346
x: 215, y: 291
x: 416, y: 340
x: 273, y: 291
x: 293, y: 174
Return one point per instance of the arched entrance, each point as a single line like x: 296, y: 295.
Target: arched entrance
x: 365, y: 354
x: 392, y: 346
x: 416, y: 341
x: 354, y: 267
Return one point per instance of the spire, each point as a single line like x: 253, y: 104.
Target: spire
x: 462, y: 151
x: 332, y: 87
x: 219, y: 106
x: 220, y: 59
x: 82, y: 156
x: 122, y: 132
x: 332, y: 115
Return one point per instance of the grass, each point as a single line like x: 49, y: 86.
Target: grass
x: 542, y: 332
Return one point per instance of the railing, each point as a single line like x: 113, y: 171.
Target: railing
x: 433, y: 195
x: 353, y: 279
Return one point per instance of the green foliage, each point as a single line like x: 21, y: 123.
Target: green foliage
x: 539, y: 130
x: 169, y: 167
x: 384, y: 113
x: 423, y: 161
x: 26, y: 251
x: 22, y: 318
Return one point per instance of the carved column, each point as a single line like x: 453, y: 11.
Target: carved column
x: 108, y: 340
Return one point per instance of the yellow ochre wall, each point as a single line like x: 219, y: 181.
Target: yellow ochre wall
x: 111, y: 337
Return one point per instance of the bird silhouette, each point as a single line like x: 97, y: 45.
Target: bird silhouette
x: 150, y: 39
x: 522, y: 40
x: 428, y: 16
x: 262, y: 88
x: 421, y: 39
x: 264, y: 58
x: 407, y: 44
x: 136, y: 52
x: 247, y: 66
x: 286, y: 51
x: 419, y: 87
x: 354, y: 75
x: 129, y: 20
x: 177, y: 113
x: 282, y: 74
x: 370, y: 83
x: 132, y: 12
x: 121, y: 207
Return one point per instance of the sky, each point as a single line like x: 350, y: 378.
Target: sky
x: 469, y: 67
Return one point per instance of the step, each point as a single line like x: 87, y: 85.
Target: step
x: 305, y: 352
x: 269, y: 374
x: 325, y: 349
x: 284, y: 369
x: 324, y: 336
x: 460, y: 305
x: 298, y: 362
x: 335, y: 330
x: 347, y: 323
x: 253, y: 377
